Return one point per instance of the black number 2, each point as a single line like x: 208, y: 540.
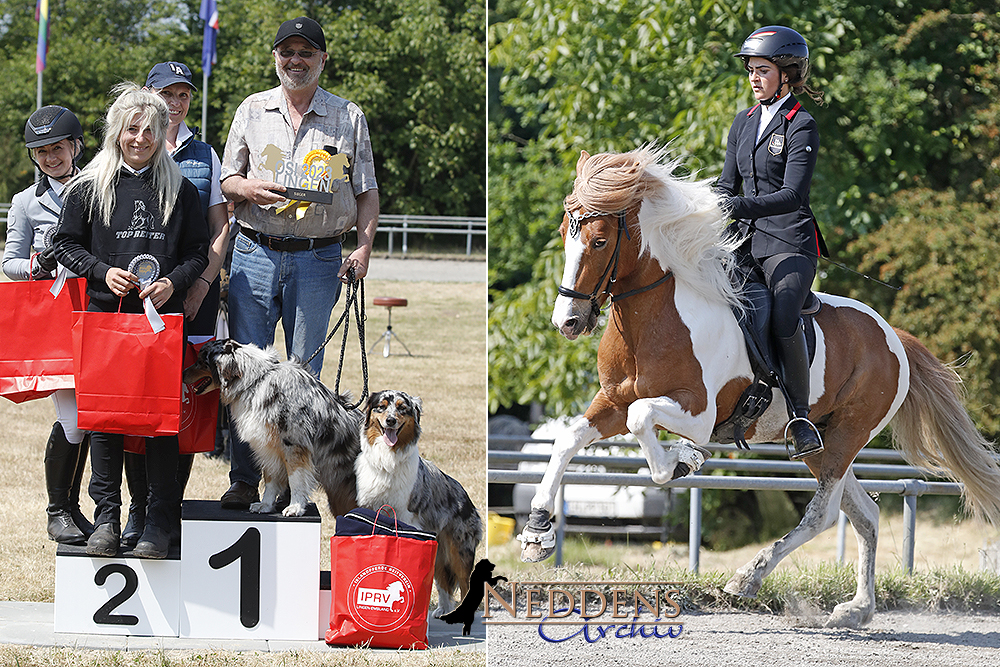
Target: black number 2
x: 103, y: 616
x: 247, y: 550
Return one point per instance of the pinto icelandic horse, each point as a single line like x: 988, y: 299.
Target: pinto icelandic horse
x: 673, y: 357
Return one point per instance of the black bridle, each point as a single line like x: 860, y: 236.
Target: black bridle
x: 612, y: 266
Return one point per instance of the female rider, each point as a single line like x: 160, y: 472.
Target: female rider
x: 770, y: 157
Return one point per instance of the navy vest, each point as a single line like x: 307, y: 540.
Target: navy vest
x: 195, y: 161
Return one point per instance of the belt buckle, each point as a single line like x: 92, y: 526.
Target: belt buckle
x: 278, y: 241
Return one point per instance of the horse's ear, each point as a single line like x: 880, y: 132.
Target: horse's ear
x: 584, y: 156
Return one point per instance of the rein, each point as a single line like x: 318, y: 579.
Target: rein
x: 612, y: 266
x: 356, y: 297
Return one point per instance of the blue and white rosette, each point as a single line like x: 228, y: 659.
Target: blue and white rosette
x: 147, y: 270
x: 62, y: 273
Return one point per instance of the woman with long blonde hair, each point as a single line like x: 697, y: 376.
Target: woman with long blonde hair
x: 131, y: 200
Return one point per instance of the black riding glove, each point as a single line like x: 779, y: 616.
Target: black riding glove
x: 47, y: 259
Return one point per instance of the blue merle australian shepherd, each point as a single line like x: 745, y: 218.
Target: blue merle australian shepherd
x: 300, y: 431
x: 390, y: 471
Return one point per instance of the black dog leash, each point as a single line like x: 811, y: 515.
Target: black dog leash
x: 355, y: 297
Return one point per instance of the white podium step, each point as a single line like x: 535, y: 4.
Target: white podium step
x: 236, y: 575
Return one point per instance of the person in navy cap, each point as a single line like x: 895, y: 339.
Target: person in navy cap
x: 287, y: 262
x: 770, y: 157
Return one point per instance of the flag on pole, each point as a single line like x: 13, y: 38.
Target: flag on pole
x: 42, y: 16
x: 210, y: 14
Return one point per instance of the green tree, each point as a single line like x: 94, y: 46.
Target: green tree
x: 911, y: 104
x: 416, y: 67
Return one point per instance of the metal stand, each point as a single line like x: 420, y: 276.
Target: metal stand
x: 389, y: 334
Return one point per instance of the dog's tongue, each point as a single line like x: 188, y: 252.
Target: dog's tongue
x: 390, y: 435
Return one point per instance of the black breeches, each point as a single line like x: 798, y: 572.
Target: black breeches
x: 789, y: 277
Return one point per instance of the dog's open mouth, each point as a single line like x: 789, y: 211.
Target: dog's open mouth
x: 390, y: 435
x: 201, y: 385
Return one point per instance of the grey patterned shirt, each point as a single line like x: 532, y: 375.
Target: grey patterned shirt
x: 331, y: 152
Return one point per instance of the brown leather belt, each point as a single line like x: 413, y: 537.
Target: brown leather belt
x: 289, y: 243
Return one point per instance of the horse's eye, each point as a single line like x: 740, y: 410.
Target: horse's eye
x: 599, y: 243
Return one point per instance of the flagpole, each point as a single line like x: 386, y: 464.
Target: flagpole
x: 204, y: 105
x: 38, y: 93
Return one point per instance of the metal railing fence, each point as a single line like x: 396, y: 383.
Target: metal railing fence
x: 905, y: 481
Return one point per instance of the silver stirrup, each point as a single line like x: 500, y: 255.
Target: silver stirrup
x: 795, y: 456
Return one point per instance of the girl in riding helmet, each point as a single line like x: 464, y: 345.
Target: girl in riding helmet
x: 54, y: 139
x: 770, y: 156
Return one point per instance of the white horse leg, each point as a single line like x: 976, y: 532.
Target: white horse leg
x: 821, y: 513
x: 863, y: 513
x: 645, y: 415
x: 538, y: 536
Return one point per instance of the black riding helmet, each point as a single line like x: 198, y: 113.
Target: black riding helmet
x: 782, y: 46
x: 772, y: 42
x: 50, y: 124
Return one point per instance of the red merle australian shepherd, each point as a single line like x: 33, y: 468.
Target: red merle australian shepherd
x: 390, y: 471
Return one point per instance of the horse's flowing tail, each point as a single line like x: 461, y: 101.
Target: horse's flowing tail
x: 933, y: 430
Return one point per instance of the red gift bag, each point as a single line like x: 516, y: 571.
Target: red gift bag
x: 380, y: 583
x: 199, y: 415
x: 128, y: 379
x: 36, y: 347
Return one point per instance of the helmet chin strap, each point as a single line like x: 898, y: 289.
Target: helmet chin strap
x: 775, y: 97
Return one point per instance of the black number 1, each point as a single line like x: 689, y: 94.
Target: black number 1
x: 247, y: 550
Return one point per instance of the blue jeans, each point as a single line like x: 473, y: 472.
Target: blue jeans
x: 299, y: 288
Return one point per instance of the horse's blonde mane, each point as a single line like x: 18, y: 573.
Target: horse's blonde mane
x: 680, y: 219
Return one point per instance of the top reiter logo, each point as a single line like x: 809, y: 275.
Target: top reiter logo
x: 380, y: 598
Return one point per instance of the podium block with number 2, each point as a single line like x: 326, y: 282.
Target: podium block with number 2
x: 240, y: 576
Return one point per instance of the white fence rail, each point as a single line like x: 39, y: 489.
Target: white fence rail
x: 398, y: 225
x: 404, y: 225
x: 904, y: 480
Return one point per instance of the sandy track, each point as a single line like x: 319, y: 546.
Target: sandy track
x: 893, y: 639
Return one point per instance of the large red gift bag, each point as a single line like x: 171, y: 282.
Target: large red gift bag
x: 36, y: 346
x: 128, y: 378
x: 381, y: 577
x: 199, y: 415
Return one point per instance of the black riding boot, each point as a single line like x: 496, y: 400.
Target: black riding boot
x: 135, y: 475
x: 795, y: 375
x: 61, y: 459
x: 79, y: 518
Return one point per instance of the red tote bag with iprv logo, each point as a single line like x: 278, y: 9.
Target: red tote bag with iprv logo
x: 382, y: 573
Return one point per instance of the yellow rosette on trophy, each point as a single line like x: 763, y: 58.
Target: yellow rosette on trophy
x: 312, y: 157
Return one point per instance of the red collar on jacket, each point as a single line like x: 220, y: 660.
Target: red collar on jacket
x: 788, y: 116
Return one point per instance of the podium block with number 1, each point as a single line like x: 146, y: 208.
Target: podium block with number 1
x: 248, y: 576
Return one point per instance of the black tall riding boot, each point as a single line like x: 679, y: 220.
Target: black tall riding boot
x: 795, y: 375
x: 61, y: 459
x: 135, y: 476
x: 81, y: 521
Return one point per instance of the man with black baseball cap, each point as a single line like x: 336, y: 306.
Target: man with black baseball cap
x: 287, y: 262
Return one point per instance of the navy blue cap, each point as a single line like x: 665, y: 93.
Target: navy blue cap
x: 167, y: 74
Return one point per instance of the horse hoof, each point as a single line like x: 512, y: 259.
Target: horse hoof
x: 681, y: 470
x: 846, y: 616
x: 742, y: 587
x: 533, y: 552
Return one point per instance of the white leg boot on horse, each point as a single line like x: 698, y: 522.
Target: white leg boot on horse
x: 795, y: 375
x: 538, y: 537
x: 667, y: 460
